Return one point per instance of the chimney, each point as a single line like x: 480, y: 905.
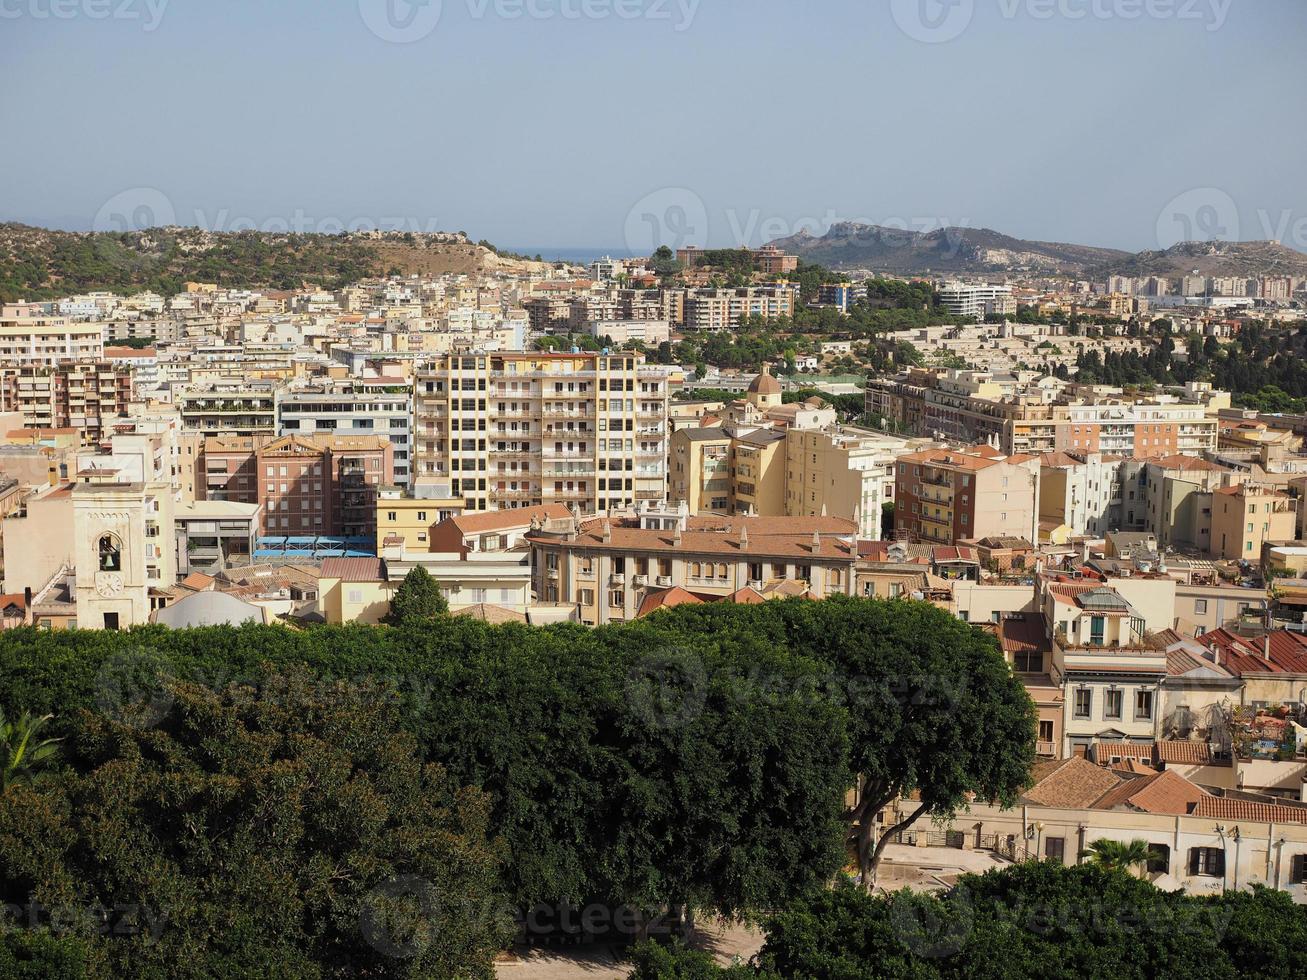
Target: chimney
x: 608, y: 532
x: 676, y: 536
x: 744, y: 536
x: 816, y: 542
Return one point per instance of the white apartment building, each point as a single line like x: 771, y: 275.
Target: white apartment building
x: 240, y: 408
x: 722, y: 309
x: 353, y: 408
x: 1082, y: 492
x: 524, y: 429
x: 651, y: 333
x: 29, y: 337
x: 976, y: 301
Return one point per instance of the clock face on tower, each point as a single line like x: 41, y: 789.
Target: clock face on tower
x: 108, y: 584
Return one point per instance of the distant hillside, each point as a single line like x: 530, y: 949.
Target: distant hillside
x: 36, y: 263
x: 945, y: 250
x: 980, y: 250
x: 1214, y: 259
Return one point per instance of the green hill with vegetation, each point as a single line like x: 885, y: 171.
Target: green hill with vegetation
x: 37, y: 263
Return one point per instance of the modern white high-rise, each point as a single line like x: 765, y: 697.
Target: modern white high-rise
x: 976, y: 301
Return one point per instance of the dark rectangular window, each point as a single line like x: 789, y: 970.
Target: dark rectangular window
x: 1298, y: 872
x: 1055, y: 849
x: 1208, y: 861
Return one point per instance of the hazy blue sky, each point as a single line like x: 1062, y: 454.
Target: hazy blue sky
x: 1070, y: 120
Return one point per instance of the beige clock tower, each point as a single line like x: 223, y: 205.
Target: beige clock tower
x: 123, y: 536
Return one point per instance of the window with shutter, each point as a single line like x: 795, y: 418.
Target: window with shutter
x: 1299, y: 875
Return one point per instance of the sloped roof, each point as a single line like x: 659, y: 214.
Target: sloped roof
x: 491, y: 614
x: 1164, y: 792
x: 1025, y: 635
x: 675, y: 596
x: 1225, y: 808
x: 1070, y: 783
x: 496, y: 520
x: 354, y: 569
x: 1184, y: 752
x: 1103, y: 751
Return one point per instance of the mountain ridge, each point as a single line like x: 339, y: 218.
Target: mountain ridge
x: 960, y: 250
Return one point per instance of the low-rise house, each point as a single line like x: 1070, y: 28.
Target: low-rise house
x: 608, y: 567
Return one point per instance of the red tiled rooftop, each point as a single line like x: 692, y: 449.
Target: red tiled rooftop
x: 1225, y: 808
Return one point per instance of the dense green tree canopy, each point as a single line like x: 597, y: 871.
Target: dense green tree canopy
x: 1034, y: 920
x: 287, y: 829
x: 697, y: 759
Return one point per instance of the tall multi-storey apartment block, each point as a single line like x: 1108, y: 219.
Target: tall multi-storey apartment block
x: 236, y: 408
x: 516, y: 430
x: 323, y: 485
x: 840, y: 473
x: 353, y: 408
x: 976, y: 301
x: 1144, y: 429
x: 943, y: 495
x: 722, y: 309
x: 970, y: 409
x: 85, y: 396
x: 29, y: 337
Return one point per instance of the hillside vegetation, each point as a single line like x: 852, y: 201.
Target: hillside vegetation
x: 36, y: 263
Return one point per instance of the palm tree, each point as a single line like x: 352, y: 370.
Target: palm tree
x: 1115, y: 854
x: 22, y: 753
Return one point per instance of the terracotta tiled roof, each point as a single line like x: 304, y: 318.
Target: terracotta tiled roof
x: 1104, y: 751
x: 946, y: 553
x: 1164, y: 792
x: 1225, y: 808
x: 495, y: 520
x: 354, y: 569
x: 1183, y: 752
x: 675, y: 596
x: 1180, y: 661
x: 747, y: 597
x: 1072, y: 783
x: 1278, y: 652
x: 1023, y: 635
x: 788, y: 537
x: 198, y: 581
x: 492, y: 614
